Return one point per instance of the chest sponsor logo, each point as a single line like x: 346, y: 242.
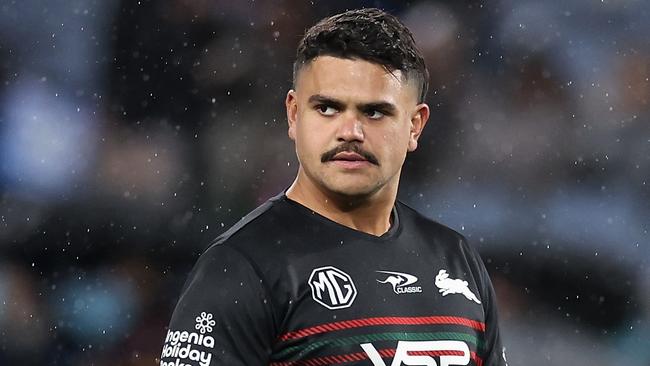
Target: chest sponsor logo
x: 401, y: 282
x: 332, y: 288
x: 183, y: 348
x: 449, y: 286
x: 422, y: 353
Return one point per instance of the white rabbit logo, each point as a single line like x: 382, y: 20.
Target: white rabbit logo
x: 454, y: 286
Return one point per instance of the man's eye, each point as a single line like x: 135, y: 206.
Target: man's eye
x: 374, y: 114
x: 326, y: 110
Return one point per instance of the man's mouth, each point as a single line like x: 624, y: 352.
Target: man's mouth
x: 349, y: 156
x: 349, y: 153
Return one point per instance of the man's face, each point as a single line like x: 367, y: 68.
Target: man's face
x: 353, y: 123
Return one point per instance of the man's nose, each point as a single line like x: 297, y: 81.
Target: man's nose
x: 350, y: 128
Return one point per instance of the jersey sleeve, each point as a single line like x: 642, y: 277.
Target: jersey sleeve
x: 223, y: 316
x: 493, y: 350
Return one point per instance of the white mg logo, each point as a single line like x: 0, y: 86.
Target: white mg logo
x: 332, y: 287
x: 450, y: 353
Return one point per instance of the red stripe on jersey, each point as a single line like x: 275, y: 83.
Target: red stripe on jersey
x: 477, y: 360
x: 367, y: 322
x: 360, y: 356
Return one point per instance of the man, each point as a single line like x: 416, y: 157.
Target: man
x: 335, y: 271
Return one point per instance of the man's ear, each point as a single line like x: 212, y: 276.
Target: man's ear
x: 418, y: 121
x: 291, y: 104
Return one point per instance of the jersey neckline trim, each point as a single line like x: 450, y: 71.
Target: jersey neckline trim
x: 392, y: 233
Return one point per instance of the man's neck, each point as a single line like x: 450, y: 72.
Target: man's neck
x: 371, y: 215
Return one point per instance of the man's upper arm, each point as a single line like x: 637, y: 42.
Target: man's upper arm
x: 494, y: 347
x: 494, y: 353
x: 224, y: 315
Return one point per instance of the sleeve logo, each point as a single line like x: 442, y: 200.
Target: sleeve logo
x: 185, y: 348
x: 204, y: 323
x: 332, y: 288
x: 454, y: 286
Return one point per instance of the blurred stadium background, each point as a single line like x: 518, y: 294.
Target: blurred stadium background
x: 133, y: 132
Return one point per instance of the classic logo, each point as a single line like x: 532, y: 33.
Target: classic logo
x: 422, y: 353
x: 332, y: 288
x: 454, y: 286
x: 400, y: 282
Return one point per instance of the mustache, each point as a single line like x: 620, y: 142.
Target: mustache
x: 349, y: 147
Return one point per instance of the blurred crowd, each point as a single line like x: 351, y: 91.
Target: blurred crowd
x: 134, y: 132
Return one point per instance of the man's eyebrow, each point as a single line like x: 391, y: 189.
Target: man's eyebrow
x: 385, y: 107
x: 321, y: 99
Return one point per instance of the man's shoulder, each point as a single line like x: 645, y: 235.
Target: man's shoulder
x: 416, y: 220
x: 434, y: 232
x: 442, y: 237
x: 251, y: 230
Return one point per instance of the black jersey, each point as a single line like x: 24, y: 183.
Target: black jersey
x: 287, y: 286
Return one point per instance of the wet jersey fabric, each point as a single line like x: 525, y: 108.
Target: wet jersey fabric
x: 287, y: 286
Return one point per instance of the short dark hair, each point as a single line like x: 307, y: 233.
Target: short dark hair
x: 369, y: 34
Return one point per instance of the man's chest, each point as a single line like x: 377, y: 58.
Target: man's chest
x: 378, y: 306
